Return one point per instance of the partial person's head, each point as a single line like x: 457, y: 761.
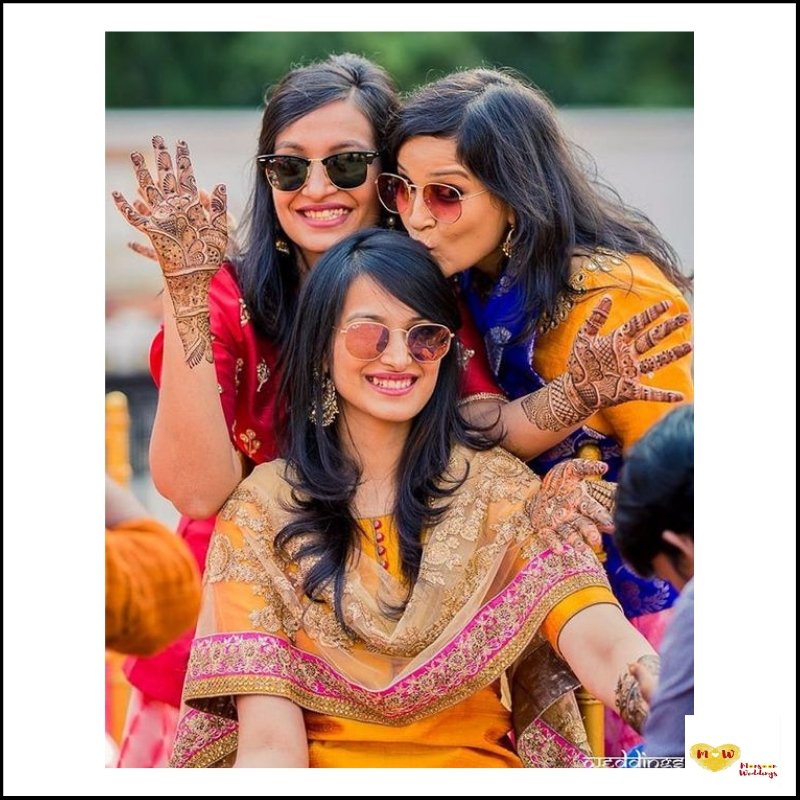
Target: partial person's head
x: 654, y: 514
x: 528, y: 203
x: 376, y: 317
x: 336, y: 110
x: 320, y: 148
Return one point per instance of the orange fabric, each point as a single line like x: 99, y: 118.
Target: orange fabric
x: 152, y: 587
x: 472, y: 733
x: 633, y: 286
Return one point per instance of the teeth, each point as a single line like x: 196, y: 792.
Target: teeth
x: 329, y: 213
x: 389, y: 384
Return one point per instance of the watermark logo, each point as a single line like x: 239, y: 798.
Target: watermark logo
x: 770, y: 770
x: 714, y: 758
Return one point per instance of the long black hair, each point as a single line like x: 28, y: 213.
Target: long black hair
x: 507, y: 134
x: 270, y: 279
x: 656, y: 491
x: 323, y: 477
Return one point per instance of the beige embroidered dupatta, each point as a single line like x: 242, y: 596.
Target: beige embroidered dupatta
x: 486, y: 583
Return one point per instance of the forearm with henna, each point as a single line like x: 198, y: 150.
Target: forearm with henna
x: 630, y: 703
x: 188, y: 242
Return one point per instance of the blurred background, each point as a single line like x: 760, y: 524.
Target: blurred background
x: 626, y: 98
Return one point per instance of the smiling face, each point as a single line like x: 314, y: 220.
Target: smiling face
x: 319, y: 215
x: 394, y: 387
x: 476, y: 237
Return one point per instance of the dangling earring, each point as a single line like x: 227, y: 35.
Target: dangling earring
x: 391, y: 223
x: 282, y: 246
x: 330, y: 408
x: 508, y: 247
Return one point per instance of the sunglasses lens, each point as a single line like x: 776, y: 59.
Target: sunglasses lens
x: 443, y: 201
x: 366, y: 340
x: 347, y: 170
x: 429, y: 342
x: 286, y: 173
x: 393, y: 193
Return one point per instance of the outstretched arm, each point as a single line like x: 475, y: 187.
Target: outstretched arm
x: 602, y: 371
x: 599, y: 645
x: 192, y: 459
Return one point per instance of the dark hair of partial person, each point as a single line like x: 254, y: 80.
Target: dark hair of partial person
x: 656, y: 491
x: 507, y: 134
x: 270, y: 279
x: 323, y: 477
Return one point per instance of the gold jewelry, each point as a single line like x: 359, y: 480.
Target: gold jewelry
x: 508, y: 247
x: 282, y: 246
x: 330, y: 408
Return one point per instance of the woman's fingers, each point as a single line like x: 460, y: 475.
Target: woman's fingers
x: 598, y: 317
x: 132, y: 216
x: 659, y: 360
x: 635, y: 325
x: 219, y: 208
x: 650, y: 338
x: 186, y: 179
x: 166, y: 177
x: 143, y: 250
x: 144, y: 179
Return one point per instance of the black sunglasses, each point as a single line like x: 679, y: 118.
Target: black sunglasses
x: 344, y: 170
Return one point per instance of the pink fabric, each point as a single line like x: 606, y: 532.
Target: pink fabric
x: 149, y: 732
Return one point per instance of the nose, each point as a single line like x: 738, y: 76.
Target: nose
x: 318, y: 185
x: 420, y: 216
x: 396, y: 354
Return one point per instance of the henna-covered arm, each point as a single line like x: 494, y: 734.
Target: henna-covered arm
x: 188, y: 242
x: 599, y: 644
x: 602, y: 371
x: 192, y: 458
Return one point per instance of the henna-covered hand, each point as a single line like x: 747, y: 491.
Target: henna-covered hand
x: 632, y: 698
x: 564, y: 504
x: 189, y: 243
x: 605, y: 370
x: 140, y: 204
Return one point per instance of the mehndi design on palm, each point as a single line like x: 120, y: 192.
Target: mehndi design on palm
x: 189, y: 242
x: 605, y: 370
x: 564, y: 504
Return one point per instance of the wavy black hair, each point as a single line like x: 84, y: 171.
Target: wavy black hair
x: 507, y: 134
x: 656, y: 491
x: 270, y: 279
x: 323, y: 476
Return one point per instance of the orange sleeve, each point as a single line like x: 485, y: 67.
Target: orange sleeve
x: 152, y: 587
x: 562, y: 613
x: 633, y: 286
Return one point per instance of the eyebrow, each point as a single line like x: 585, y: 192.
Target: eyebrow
x: 359, y: 315
x: 441, y: 173
x: 339, y: 146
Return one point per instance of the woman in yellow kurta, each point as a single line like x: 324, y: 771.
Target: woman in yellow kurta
x: 488, y: 181
x: 366, y: 597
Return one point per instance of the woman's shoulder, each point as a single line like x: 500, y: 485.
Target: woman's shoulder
x: 494, y: 473
x: 633, y: 281
x: 266, y: 486
x: 608, y: 269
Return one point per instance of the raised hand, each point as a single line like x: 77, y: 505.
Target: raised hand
x: 605, y: 370
x: 565, y: 505
x: 144, y: 209
x: 188, y: 242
